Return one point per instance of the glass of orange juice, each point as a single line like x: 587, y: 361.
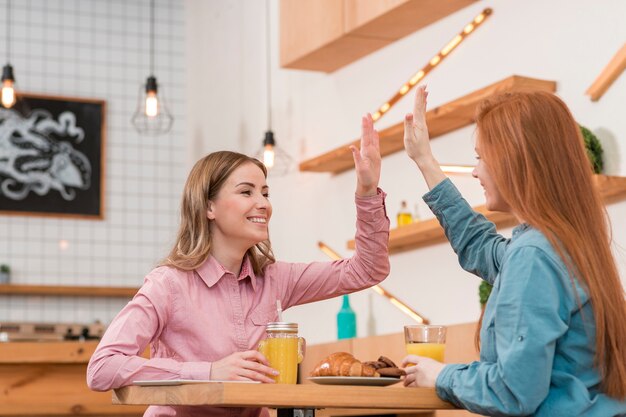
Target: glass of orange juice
x: 284, y: 350
x: 425, y: 340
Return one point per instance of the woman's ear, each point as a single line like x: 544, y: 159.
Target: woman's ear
x: 210, y: 214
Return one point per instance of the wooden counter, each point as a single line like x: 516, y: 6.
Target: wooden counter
x: 227, y: 394
x: 49, y: 379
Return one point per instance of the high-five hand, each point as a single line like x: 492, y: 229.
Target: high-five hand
x: 417, y: 142
x: 367, y: 159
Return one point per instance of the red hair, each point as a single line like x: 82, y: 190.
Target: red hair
x: 535, y: 154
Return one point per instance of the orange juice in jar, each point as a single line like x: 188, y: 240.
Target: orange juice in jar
x: 284, y: 350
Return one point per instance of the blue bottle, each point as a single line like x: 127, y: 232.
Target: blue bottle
x: 346, y: 320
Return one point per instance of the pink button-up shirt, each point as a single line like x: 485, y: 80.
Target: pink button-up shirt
x: 193, y: 318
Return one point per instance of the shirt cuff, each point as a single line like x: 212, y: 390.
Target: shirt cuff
x: 442, y: 195
x: 444, y: 383
x: 366, y: 206
x: 196, y: 370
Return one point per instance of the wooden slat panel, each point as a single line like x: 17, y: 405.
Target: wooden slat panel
x: 61, y: 290
x: 46, y: 352
x: 53, y: 390
x: 443, y: 119
x: 273, y: 395
x: 429, y: 232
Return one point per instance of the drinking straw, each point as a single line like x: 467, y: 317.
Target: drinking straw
x: 279, y: 309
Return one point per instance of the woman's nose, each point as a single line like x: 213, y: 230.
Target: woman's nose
x: 474, y: 174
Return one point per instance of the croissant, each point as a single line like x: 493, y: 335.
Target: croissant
x: 343, y: 364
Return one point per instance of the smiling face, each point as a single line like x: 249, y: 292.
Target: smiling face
x: 493, y: 198
x: 240, y: 213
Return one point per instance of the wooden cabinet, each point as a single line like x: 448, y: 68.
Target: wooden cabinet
x: 49, y: 379
x: 325, y: 35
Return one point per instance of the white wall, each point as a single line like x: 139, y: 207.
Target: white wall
x: 562, y: 40
x: 98, y: 49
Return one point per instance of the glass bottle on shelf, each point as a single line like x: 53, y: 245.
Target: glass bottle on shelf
x: 404, y: 216
x: 416, y: 214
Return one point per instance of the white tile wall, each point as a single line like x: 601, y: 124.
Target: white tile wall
x: 98, y: 49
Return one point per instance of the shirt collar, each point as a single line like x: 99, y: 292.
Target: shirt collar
x: 519, y: 229
x: 211, y: 271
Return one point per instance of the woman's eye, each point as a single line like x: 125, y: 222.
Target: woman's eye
x: 266, y: 195
x: 246, y: 192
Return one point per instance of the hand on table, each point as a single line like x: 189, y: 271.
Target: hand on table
x: 423, y: 374
x: 250, y: 365
x: 367, y: 160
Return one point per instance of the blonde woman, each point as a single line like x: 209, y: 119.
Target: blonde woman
x: 554, y: 329
x: 204, y: 311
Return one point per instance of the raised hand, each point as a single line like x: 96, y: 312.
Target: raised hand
x: 367, y: 160
x: 417, y: 142
x: 243, y: 366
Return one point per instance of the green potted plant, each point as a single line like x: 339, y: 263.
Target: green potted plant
x: 594, y: 149
x: 484, y: 291
x: 5, y: 274
x: 596, y: 156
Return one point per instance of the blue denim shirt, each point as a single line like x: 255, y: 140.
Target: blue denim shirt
x: 538, y: 333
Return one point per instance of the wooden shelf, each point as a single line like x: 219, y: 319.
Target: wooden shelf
x: 609, y: 74
x: 443, y: 119
x: 74, y: 291
x: 325, y: 35
x: 429, y: 232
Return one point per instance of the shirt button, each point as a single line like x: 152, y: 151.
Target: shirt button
x: 520, y: 339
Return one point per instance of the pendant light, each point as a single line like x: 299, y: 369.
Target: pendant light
x: 276, y: 160
x: 8, y: 79
x: 152, y: 116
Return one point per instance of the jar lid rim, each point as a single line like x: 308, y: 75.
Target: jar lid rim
x: 282, y: 325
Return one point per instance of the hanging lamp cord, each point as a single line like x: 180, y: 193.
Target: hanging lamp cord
x: 152, y: 38
x: 8, y: 31
x: 269, y: 66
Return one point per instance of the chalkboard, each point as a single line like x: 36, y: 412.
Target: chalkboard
x: 51, y: 157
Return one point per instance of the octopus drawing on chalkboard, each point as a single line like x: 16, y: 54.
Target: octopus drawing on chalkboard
x: 37, y: 155
x: 52, y: 157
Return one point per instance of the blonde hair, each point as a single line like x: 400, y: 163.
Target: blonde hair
x: 193, y: 241
x: 535, y: 154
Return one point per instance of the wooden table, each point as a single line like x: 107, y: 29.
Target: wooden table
x: 290, y: 400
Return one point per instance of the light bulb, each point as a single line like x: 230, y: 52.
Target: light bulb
x: 152, y: 104
x: 268, y: 156
x: 8, y: 93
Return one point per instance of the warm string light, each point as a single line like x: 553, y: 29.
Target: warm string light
x: 7, y: 96
x: 379, y: 290
x: 457, y: 169
x: 434, y: 61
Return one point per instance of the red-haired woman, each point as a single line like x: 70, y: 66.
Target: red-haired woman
x: 554, y: 329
